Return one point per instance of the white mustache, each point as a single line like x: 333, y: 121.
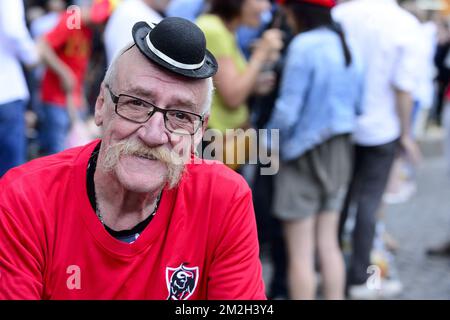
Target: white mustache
x: 173, y: 161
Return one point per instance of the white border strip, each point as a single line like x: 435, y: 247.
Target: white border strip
x: 169, y: 60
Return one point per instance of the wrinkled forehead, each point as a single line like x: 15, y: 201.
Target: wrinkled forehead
x: 136, y: 74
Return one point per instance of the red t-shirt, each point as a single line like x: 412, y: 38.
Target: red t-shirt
x: 72, y: 44
x: 201, y: 244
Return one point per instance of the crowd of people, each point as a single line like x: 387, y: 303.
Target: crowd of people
x: 349, y: 85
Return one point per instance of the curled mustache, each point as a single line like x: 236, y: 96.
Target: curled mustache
x: 173, y: 161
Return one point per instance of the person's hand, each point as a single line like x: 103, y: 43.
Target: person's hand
x: 270, y: 44
x: 265, y: 83
x: 411, y: 149
x: 273, y: 39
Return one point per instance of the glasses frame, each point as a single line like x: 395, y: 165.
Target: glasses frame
x: 115, y: 100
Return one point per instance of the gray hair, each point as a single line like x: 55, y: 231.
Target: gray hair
x: 111, y: 73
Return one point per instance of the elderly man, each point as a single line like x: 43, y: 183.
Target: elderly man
x: 125, y: 217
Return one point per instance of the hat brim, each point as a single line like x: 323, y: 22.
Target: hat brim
x: 208, y: 69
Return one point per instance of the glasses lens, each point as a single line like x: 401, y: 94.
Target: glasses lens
x: 182, y: 122
x: 133, y: 108
x: 137, y: 110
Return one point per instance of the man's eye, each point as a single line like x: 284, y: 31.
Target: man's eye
x: 136, y: 103
x: 181, y: 116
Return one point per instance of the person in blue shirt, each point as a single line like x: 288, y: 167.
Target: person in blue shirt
x: 315, y: 113
x: 188, y: 9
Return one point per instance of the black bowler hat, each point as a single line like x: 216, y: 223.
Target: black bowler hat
x: 176, y: 44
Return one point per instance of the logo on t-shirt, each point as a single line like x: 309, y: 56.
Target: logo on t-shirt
x: 181, y: 282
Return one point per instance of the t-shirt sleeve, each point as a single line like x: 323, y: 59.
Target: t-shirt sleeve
x: 236, y: 271
x: 406, y: 74
x: 58, y: 36
x: 21, y: 256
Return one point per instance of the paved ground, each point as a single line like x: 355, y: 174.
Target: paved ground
x: 421, y: 222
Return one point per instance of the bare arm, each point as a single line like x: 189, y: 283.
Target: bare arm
x: 404, y: 109
x: 64, y: 73
x: 404, y: 103
x: 235, y: 87
x: 56, y: 65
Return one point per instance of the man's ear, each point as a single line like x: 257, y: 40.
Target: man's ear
x: 100, y: 105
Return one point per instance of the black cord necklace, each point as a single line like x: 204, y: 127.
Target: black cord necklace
x: 100, y: 216
x: 92, y: 164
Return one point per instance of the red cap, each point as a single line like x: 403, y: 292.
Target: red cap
x: 101, y: 10
x: 323, y: 3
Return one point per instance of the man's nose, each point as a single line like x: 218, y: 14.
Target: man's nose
x: 153, y: 132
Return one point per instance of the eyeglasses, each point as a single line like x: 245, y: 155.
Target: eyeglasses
x: 139, y: 111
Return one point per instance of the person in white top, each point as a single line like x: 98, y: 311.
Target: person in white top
x: 16, y: 47
x: 117, y: 31
x: 384, y: 36
x: 427, y: 39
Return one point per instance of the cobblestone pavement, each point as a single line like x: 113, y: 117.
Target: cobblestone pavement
x: 422, y: 222
x: 417, y: 224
